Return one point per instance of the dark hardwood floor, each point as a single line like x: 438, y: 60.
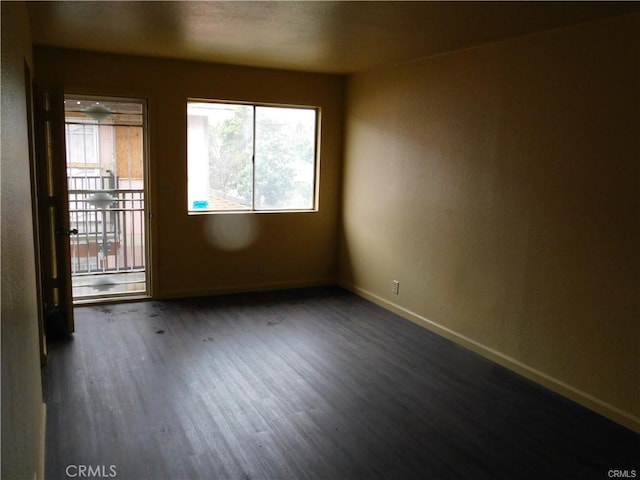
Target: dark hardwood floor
x: 307, y: 384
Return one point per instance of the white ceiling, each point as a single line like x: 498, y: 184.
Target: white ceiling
x: 317, y: 36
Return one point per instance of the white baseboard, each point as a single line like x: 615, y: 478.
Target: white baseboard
x: 585, y: 399
x: 245, y: 288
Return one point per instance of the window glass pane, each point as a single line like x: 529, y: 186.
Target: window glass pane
x: 284, y: 158
x: 220, y: 149
x: 229, y: 169
x: 82, y: 144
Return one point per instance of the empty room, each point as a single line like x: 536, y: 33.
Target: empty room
x: 320, y: 240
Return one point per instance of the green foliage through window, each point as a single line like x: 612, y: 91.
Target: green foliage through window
x: 250, y: 157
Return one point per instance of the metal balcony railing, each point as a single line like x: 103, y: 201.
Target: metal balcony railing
x: 111, y: 231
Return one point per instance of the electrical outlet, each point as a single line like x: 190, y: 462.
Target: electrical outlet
x: 395, y: 287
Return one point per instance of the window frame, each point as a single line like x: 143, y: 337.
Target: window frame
x: 73, y: 134
x: 255, y: 105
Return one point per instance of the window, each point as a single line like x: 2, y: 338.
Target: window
x: 82, y: 144
x: 250, y: 157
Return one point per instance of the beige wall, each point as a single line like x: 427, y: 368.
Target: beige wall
x: 22, y: 407
x: 500, y: 186
x: 289, y: 249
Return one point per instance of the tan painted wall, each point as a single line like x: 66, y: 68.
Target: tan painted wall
x: 290, y: 249
x: 500, y: 185
x: 22, y: 407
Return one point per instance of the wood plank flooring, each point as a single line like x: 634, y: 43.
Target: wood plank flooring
x: 305, y: 384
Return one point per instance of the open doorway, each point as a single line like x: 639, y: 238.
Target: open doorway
x: 107, y: 189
